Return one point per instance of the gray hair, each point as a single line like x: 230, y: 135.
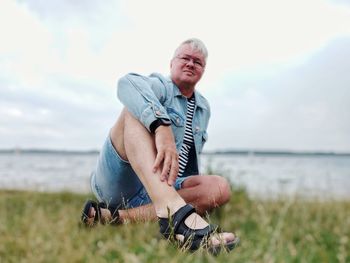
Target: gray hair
x: 195, y: 44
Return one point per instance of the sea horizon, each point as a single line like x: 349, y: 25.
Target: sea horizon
x: 265, y: 174
x: 19, y: 150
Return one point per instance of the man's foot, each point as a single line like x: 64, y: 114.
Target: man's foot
x: 106, y: 216
x: 94, y: 213
x: 193, y: 232
x: 195, y: 221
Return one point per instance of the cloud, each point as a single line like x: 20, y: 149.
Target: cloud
x: 77, y: 119
x: 303, y: 108
x: 59, y: 62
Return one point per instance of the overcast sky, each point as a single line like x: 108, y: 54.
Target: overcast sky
x: 278, y: 73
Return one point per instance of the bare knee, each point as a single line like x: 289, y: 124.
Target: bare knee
x: 221, y: 189
x: 117, y: 134
x: 208, y: 192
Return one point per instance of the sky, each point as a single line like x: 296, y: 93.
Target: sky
x: 277, y: 78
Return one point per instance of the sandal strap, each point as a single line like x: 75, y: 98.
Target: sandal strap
x: 114, y: 212
x: 207, y: 231
x: 87, y: 206
x: 98, y: 212
x: 167, y: 226
x: 180, y: 216
x: 176, y: 225
x: 194, y: 237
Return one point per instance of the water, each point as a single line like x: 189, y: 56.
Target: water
x: 321, y: 177
x: 324, y: 177
x: 46, y: 172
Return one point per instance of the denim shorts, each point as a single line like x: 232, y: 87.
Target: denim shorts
x: 114, y: 182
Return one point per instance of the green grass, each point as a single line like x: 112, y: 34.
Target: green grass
x: 44, y: 227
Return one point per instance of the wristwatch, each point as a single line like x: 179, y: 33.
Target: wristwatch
x: 159, y: 122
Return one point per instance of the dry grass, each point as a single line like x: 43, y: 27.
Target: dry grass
x: 44, y: 227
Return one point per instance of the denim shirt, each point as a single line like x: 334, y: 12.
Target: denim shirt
x: 156, y: 96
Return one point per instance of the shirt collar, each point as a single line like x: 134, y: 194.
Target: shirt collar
x: 198, y: 97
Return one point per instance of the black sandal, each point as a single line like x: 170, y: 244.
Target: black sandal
x: 97, y: 218
x: 85, y: 215
x: 193, y: 238
x: 114, y: 213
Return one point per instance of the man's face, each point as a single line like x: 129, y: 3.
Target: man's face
x: 187, y: 67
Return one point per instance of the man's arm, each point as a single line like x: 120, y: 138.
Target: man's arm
x: 166, y: 154
x: 143, y: 97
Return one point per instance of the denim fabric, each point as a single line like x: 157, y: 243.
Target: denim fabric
x: 156, y: 96
x: 114, y: 181
x: 148, y: 98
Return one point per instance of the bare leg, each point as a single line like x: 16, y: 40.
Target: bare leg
x: 134, y: 143
x: 141, y: 153
x: 204, y: 192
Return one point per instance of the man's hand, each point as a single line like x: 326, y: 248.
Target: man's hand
x: 166, y: 154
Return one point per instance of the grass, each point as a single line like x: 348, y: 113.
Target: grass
x: 44, y: 227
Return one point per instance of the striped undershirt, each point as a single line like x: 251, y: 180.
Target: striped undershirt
x: 188, y: 137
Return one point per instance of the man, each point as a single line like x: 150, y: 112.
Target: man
x: 148, y: 166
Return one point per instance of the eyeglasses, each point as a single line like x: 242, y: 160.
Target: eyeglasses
x: 196, y: 62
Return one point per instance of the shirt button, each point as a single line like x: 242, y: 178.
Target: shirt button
x: 177, y: 120
x: 157, y: 113
x: 197, y: 128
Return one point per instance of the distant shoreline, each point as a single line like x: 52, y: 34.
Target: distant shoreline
x: 219, y: 152
x: 276, y: 153
x: 46, y: 151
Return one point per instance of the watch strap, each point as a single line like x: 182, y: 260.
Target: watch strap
x: 159, y: 122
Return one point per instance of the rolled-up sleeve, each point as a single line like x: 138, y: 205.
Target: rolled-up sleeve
x: 143, y: 97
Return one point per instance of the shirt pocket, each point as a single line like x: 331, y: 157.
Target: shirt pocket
x: 201, y: 139
x: 204, y: 137
x: 175, y: 117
